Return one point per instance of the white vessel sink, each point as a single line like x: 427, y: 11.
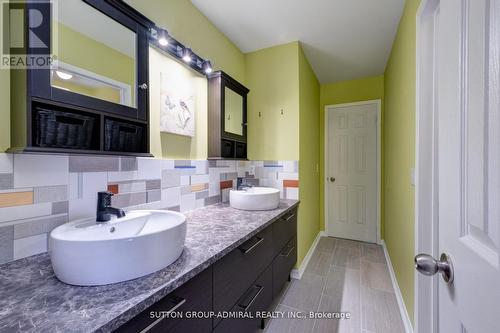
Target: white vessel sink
x: 255, y: 198
x: 86, y: 253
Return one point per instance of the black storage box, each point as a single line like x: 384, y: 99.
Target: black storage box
x: 123, y: 136
x: 60, y: 129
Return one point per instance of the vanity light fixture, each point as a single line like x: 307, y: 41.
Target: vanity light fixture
x: 186, y: 55
x: 207, y: 67
x: 64, y: 76
x: 166, y: 43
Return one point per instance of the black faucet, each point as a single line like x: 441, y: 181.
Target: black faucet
x: 241, y: 184
x: 104, y: 209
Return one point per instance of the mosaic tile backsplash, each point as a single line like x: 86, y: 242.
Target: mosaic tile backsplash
x: 41, y: 192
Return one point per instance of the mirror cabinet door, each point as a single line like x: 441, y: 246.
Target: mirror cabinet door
x: 95, y: 55
x: 233, y: 114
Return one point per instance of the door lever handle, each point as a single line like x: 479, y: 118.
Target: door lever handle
x: 429, y: 266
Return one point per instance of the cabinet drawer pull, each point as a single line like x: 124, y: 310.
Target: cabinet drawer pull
x: 290, y: 217
x: 248, y: 250
x: 179, y: 301
x: 246, y: 307
x: 288, y: 253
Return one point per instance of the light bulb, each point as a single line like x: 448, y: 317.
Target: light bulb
x: 207, y: 67
x: 186, y: 55
x: 163, y: 41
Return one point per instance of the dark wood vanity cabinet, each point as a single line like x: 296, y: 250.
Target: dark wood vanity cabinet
x: 246, y: 280
x: 285, y: 249
x: 268, y: 265
x: 234, y: 273
x: 193, y: 297
x: 283, y: 231
x: 283, y: 264
x: 227, y: 117
x: 257, y: 298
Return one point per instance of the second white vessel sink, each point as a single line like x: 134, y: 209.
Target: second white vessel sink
x: 87, y: 253
x: 255, y: 198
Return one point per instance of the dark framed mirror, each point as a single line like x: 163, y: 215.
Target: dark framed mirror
x: 227, y: 117
x: 235, y: 113
x: 101, y: 59
x: 93, y: 96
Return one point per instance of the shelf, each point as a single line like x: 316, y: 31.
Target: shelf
x: 100, y: 140
x: 227, y: 158
x: 74, y: 152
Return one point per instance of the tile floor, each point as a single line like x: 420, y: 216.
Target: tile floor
x: 346, y: 276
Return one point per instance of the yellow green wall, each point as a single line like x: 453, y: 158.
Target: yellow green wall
x: 309, y: 221
x: 4, y: 109
x: 399, y: 139
x: 5, y: 103
x: 18, y: 107
x: 352, y: 91
x: 273, y: 80
x: 281, y: 78
x: 172, y: 145
x: 105, y: 61
x: 347, y: 92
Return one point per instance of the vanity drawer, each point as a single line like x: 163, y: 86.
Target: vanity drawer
x: 283, y: 230
x: 283, y: 265
x: 234, y: 273
x: 195, y: 295
x: 257, y: 298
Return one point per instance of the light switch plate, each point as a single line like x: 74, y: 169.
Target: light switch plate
x: 251, y: 170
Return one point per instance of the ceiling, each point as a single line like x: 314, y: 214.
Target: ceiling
x: 342, y: 39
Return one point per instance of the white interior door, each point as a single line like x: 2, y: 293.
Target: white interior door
x: 351, y: 155
x: 468, y: 159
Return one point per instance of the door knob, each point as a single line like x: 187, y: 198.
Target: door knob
x: 331, y: 179
x: 427, y: 265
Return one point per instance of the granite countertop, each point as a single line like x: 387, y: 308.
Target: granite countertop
x: 33, y: 300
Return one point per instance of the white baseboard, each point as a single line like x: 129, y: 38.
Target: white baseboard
x: 399, y: 296
x: 297, y: 273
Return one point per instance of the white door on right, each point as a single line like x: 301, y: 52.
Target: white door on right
x: 351, y: 172
x: 468, y: 158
